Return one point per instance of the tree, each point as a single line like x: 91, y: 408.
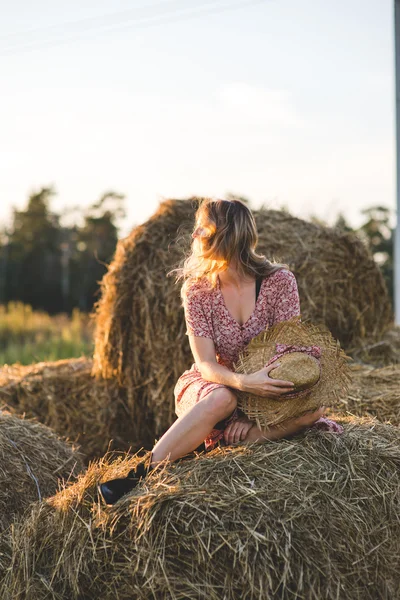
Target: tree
x: 34, y: 255
x: 96, y: 241
x: 4, y: 252
x: 379, y: 237
x: 53, y: 266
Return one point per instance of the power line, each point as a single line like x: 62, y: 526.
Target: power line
x: 88, y: 21
x: 170, y: 17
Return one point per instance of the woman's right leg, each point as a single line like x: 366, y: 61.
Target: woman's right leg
x: 190, y: 429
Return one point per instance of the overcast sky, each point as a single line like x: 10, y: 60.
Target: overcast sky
x: 286, y: 102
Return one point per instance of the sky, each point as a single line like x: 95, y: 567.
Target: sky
x: 290, y: 104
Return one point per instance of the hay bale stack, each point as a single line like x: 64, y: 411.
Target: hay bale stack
x: 140, y: 330
x: 373, y: 392
x: 312, y: 517
x: 33, y: 463
x: 66, y: 397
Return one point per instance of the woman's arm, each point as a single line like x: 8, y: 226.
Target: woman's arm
x: 203, y: 351
x: 258, y: 383
x: 201, y: 343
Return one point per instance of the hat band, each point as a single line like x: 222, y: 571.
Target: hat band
x: 311, y: 350
x: 314, y: 351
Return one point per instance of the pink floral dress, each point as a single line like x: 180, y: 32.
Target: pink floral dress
x: 207, y: 316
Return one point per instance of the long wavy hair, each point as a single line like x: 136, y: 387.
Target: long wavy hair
x: 226, y: 233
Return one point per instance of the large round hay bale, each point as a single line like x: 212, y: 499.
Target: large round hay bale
x: 313, y: 517
x: 140, y: 330
x: 5, y: 555
x: 66, y: 397
x: 34, y: 462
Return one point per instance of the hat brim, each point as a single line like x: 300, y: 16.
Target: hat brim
x: 332, y: 385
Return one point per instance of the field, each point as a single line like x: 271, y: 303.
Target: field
x: 28, y: 336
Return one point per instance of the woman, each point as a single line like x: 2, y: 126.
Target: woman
x: 230, y: 294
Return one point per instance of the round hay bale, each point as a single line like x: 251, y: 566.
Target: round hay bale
x: 34, y: 462
x: 373, y: 392
x: 313, y: 517
x: 140, y: 329
x: 66, y: 397
x: 5, y: 555
x: 33, y: 459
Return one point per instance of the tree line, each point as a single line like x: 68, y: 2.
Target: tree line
x: 56, y: 267
x: 53, y: 266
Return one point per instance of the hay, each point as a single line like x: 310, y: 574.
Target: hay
x: 140, y: 330
x: 373, y: 392
x: 381, y: 353
x: 33, y: 462
x: 66, y: 397
x: 313, y: 517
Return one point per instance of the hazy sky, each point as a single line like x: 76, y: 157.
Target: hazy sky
x: 285, y: 102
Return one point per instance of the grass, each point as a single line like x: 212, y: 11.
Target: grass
x: 28, y: 336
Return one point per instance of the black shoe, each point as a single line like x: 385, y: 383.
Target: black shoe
x: 111, y: 491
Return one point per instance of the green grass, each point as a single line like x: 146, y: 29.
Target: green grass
x: 28, y: 336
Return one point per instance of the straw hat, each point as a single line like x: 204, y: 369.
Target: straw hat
x: 310, y: 357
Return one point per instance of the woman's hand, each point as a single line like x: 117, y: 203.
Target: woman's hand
x: 260, y: 384
x: 238, y: 430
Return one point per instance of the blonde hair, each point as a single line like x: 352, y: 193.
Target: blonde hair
x: 229, y: 235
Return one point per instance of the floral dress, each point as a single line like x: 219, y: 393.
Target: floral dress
x: 207, y: 316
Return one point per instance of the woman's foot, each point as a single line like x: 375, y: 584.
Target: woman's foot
x: 111, y: 491
x: 324, y: 424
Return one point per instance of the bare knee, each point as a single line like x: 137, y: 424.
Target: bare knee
x: 220, y: 403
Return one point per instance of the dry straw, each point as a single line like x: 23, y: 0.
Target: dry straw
x: 332, y: 377
x: 380, y: 353
x: 374, y: 392
x: 66, y: 397
x: 313, y: 517
x: 32, y: 460
x: 33, y: 463
x: 140, y: 330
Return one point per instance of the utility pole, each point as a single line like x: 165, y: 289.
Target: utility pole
x: 396, y: 270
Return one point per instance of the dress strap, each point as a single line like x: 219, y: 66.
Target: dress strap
x: 259, y: 281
